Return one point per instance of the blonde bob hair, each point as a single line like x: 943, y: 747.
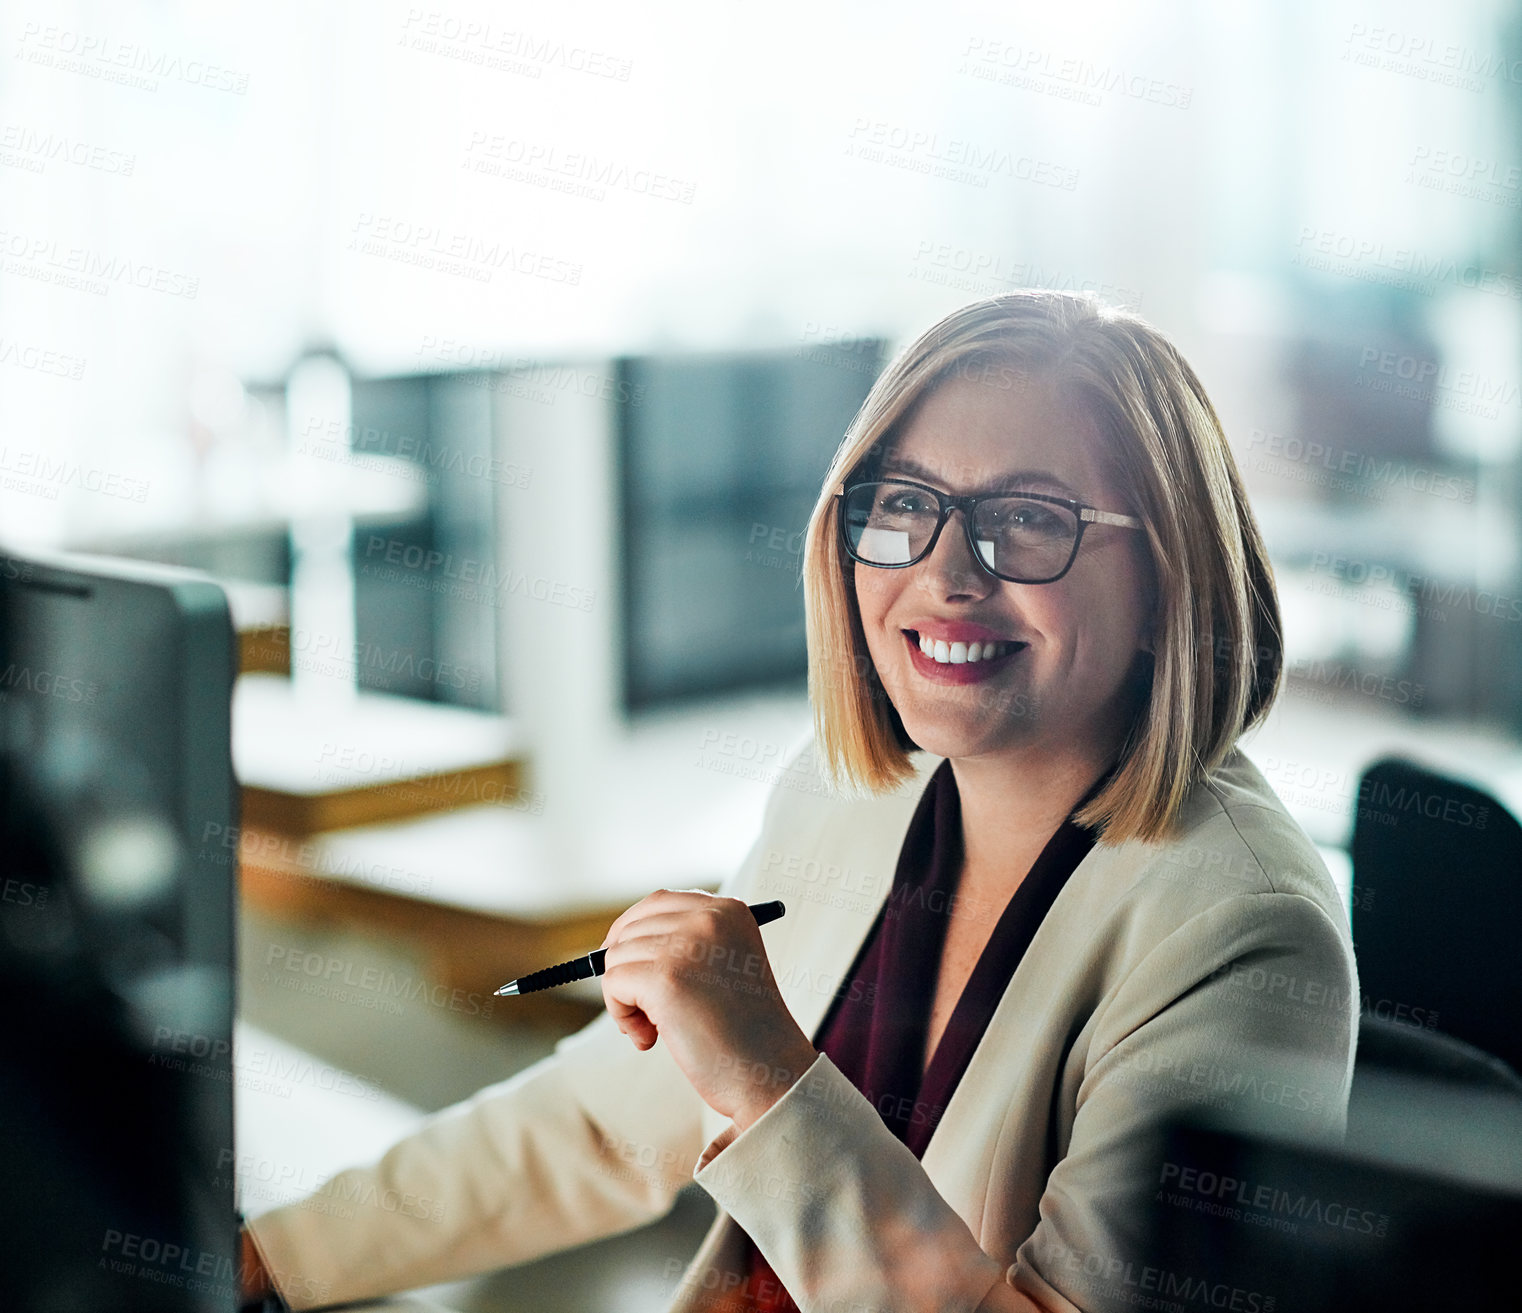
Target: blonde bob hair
x: 1217, y: 655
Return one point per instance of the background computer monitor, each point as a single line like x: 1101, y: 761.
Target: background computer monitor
x: 116, y: 936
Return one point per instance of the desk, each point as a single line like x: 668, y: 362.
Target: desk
x: 262, y: 619
x: 311, y: 765
x: 478, y: 890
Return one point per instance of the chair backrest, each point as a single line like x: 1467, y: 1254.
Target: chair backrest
x: 1387, y: 1048
x: 1437, y: 907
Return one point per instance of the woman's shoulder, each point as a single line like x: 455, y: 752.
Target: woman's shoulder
x: 1237, y: 879
x: 1233, y: 836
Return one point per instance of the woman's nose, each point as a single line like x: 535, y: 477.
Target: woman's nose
x: 951, y: 570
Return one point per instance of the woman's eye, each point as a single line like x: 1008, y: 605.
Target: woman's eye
x: 905, y: 503
x: 1024, y: 517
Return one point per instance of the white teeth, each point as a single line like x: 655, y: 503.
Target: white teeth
x: 957, y: 654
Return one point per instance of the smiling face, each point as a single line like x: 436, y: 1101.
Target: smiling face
x: 1057, y: 681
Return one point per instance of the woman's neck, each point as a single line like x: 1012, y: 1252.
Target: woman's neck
x: 1011, y: 806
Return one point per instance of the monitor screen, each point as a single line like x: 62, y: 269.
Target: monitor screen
x: 116, y: 935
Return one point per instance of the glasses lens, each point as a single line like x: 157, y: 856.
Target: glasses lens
x: 1019, y: 538
x: 889, y: 523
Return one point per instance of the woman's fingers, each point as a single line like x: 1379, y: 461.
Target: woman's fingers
x: 704, y: 947
x: 691, y: 968
x: 651, y: 954
x: 661, y: 900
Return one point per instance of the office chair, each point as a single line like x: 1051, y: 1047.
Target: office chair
x: 1437, y: 895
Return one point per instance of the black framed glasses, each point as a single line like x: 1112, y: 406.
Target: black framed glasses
x: 1020, y: 537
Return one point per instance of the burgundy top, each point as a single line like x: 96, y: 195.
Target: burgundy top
x: 876, y: 1029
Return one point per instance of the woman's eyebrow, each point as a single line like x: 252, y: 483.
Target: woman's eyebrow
x: 1004, y: 483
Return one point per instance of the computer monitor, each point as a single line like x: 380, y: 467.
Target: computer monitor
x: 1250, y: 1223
x: 116, y: 936
x: 720, y: 459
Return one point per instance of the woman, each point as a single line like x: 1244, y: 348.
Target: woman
x: 1059, y: 908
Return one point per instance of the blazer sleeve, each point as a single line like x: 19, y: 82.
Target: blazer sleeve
x: 595, y: 1139
x: 848, y: 1217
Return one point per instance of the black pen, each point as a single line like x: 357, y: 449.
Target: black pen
x: 584, y: 968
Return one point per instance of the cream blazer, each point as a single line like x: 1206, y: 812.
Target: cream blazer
x: 1211, y: 973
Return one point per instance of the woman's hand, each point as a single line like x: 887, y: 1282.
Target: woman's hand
x: 253, y: 1277
x: 691, y: 968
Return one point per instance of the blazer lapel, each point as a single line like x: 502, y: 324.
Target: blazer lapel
x: 837, y: 915
x: 1011, y: 1074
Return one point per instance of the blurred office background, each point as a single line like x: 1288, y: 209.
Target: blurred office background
x: 492, y: 355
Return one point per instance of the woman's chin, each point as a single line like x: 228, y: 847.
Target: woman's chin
x: 941, y: 739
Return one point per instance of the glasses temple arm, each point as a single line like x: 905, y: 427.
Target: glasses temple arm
x: 1109, y: 517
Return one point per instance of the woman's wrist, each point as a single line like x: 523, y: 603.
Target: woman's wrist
x: 254, y: 1280
x: 770, y: 1082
